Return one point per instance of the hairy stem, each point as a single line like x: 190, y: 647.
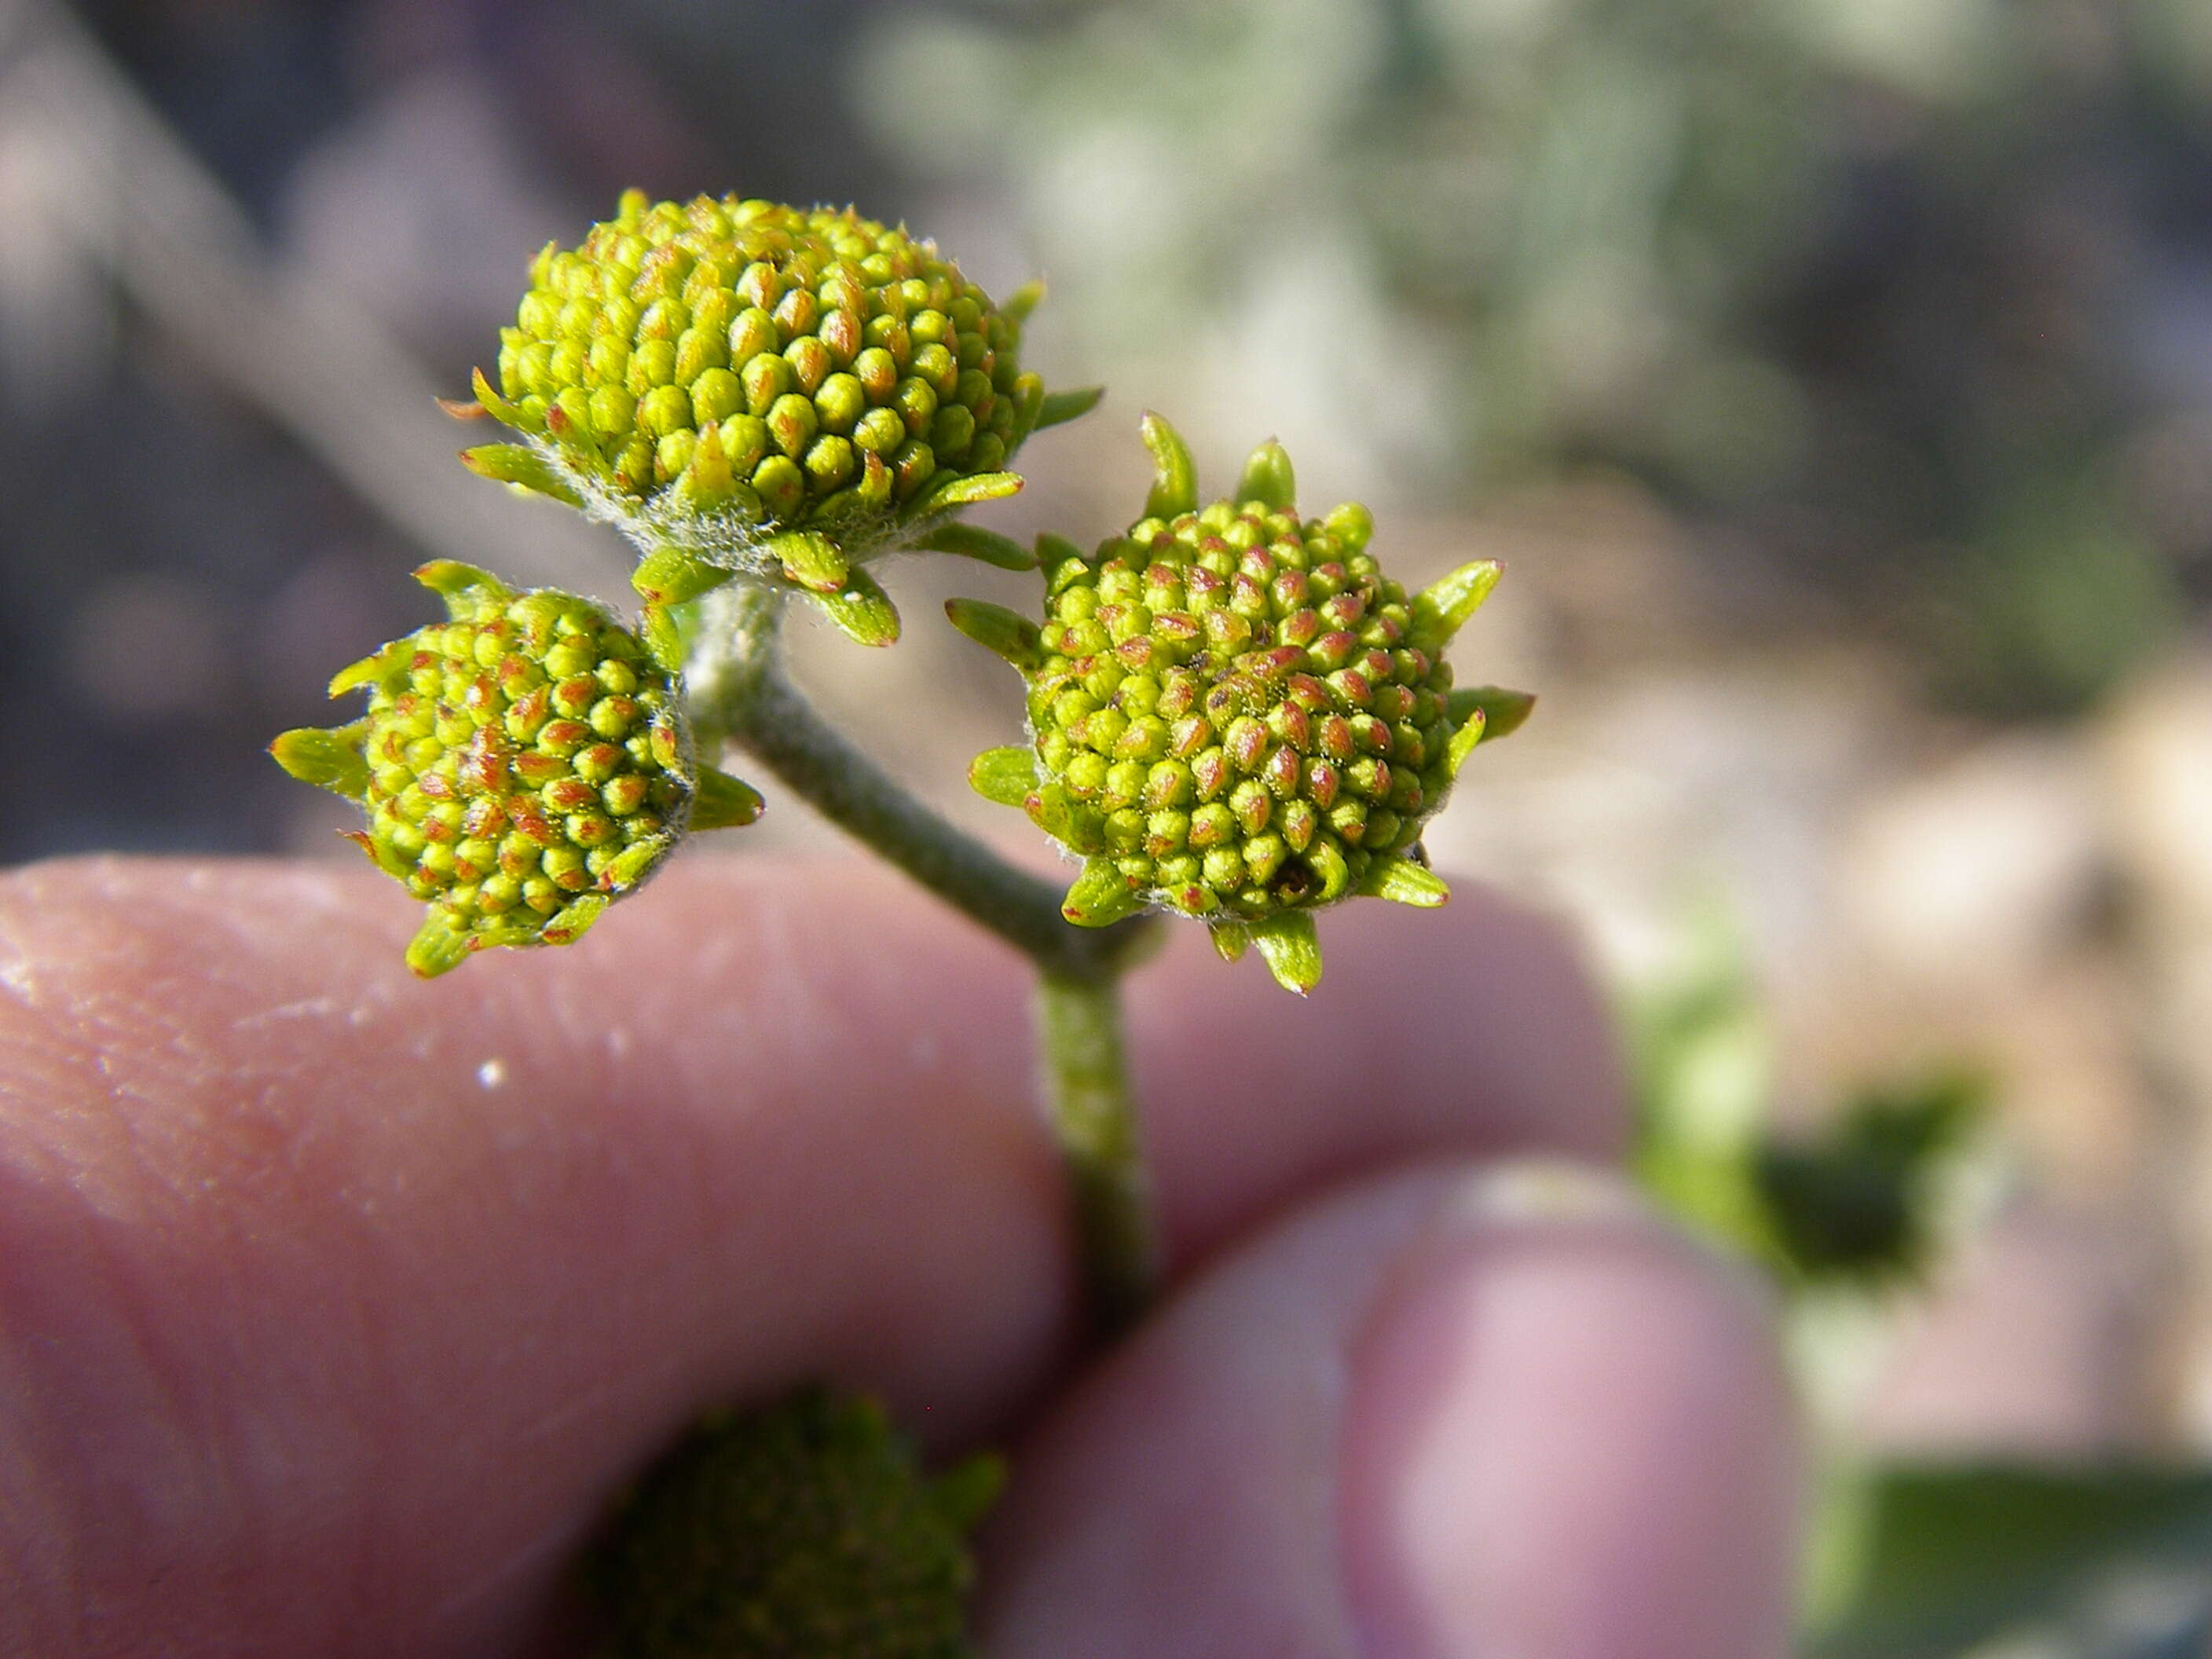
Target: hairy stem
x: 1086, y: 1094
x: 742, y: 696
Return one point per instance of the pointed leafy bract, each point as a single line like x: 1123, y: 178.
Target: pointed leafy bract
x: 973, y: 542
x: 1007, y: 633
x: 1231, y: 939
x: 1463, y: 742
x: 862, y: 609
x: 723, y: 802
x: 1005, y: 775
x: 328, y: 759
x: 436, y: 948
x: 1291, y: 949
x: 1504, y: 711
x: 810, y: 559
x: 1024, y: 299
x: 1060, y: 407
x: 1175, y: 477
x: 576, y: 919
x: 1100, y: 896
x: 975, y: 487
x: 1404, y: 882
x: 453, y: 581
x: 523, y: 467
x: 491, y: 403
x: 669, y: 576
x: 1445, y: 603
x: 1268, y: 479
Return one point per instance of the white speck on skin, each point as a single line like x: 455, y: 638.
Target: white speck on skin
x: 492, y: 1074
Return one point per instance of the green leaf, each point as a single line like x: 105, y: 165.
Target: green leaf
x: 1290, y: 948
x: 1268, y: 479
x: 1005, y: 775
x: 1231, y: 939
x: 1956, y: 1557
x: 1101, y: 897
x: 1503, y: 711
x: 329, y: 759
x: 520, y: 465
x: 810, y: 559
x: 1061, y: 407
x: 574, y: 918
x: 1442, y: 607
x: 862, y: 609
x: 723, y: 802
x: 1404, y: 882
x: 1024, y: 299
x: 1175, y: 477
x: 972, y: 542
x: 1009, y: 634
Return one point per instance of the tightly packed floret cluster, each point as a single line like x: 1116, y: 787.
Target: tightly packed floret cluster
x: 1234, y: 713
x: 1238, y: 708
x: 797, y: 365
x: 805, y: 1529
x: 522, y: 763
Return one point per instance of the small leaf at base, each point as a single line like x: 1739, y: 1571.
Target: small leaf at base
x: 1004, y: 777
x: 723, y: 802
x: 1291, y: 949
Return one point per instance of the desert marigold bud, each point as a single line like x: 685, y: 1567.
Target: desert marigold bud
x: 806, y: 1528
x: 771, y: 390
x: 1237, y: 715
x: 523, y: 763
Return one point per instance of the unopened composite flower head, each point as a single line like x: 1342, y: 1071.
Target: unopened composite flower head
x: 523, y: 763
x: 765, y: 390
x: 1236, y: 715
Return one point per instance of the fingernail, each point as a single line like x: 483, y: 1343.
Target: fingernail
x: 1566, y: 1438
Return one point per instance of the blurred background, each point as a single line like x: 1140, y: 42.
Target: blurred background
x: 1835, y: 377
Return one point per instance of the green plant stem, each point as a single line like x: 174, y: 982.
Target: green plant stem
x: 742, y: 696
x: 1086, y: 1091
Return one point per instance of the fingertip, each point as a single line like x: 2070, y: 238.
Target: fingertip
x: 1439, y: 1415
x: 1476, y: 1030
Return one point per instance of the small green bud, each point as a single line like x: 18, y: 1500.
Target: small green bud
x: 807, y: 1528
x: 522, y: 764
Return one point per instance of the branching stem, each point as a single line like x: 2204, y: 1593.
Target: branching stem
x: 742, y: 696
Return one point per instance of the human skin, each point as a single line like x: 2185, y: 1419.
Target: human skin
x: 334, y: 1305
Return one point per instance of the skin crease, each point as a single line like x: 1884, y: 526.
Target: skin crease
x: 334, y: 1305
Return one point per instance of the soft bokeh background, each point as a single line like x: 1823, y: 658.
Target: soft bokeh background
x: 1834, y: 375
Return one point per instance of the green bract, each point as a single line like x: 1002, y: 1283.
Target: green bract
x: 523, y: 763
x: 764, y: 390
x: 1236, y: 715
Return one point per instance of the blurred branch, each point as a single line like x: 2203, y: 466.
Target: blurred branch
x: 111, y: 179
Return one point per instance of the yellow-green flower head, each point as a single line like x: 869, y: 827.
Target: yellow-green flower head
x: 772, y: 390
x: 807, y: 1528
x: 523, y: 764
x: 1237, y: 715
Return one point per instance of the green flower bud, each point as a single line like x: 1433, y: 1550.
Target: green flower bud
x: 523, y: 763
x: 715, y: 374
x: 806, y: 1528
x: 1237, y: 715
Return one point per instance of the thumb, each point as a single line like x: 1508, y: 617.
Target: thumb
x: 1507, y: 1414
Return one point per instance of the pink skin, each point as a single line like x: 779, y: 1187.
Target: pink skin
x: 333, y: 1305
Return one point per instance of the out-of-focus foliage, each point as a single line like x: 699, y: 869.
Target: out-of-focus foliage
x: 1915, y: 292
x: 2096, y: 1563
x: 1859, y: 1202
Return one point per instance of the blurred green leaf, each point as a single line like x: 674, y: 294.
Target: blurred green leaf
x: 1956, y: 1557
